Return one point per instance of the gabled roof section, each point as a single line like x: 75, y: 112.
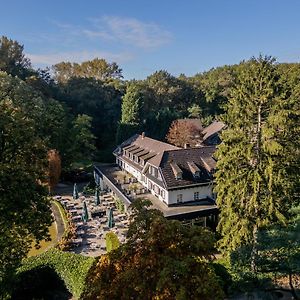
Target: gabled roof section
x: 189, y: 161
x: 154, y: 148
x: 213, y: 128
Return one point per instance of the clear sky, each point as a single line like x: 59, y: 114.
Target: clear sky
x: 180, y: 36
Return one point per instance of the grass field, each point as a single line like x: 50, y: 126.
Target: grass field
x: 44, y: 244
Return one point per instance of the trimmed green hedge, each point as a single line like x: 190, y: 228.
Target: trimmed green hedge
x: 71, y: 268
x: 112, y: 241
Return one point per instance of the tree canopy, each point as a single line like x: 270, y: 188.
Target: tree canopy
x: 161, y: 260
x: 253, y: 180
x: 24, y: 207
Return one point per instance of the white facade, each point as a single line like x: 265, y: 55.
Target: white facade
x: 172, y: 196
x: 190, y: 194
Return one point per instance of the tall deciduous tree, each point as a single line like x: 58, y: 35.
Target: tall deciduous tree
x: 253, y: 183
x: 84, y: 140
x: 183, y: 132
x: 161, y: 260
x: 24, y: 207
x: 12, y: 58
x: 97, y: 68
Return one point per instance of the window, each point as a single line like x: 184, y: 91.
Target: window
x: 197, y: 174
x: 156, y: 189
x: 162, y: 193
x: 196, y: 196
x: 179, y: 198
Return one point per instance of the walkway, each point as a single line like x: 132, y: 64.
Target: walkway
x: 60, y: 226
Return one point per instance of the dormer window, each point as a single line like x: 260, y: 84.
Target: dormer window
x: 197, y: 175
x: 194, y: 169
x: 176, y: 170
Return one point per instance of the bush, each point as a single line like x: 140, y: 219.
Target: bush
x: 89, y: 189
x: 119, y: 205
x: 64, y: 243
x: 112, y: 241
x: 71, y: 268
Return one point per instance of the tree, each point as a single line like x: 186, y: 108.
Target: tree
x: 99, y: 100
x: 98, y: 69
x: 169, y: 91
x: 253, y: 183
x: 131, y: 112
x: 161, y: 260
x: 278, y: 263
x: 131, y: 105
x: 83, y: 138
x: 279, y: 249
x: 195, y: 111
x: 12, y: 58
x: 54, y: 171
x: 24, y: 208
x: 183, y: 132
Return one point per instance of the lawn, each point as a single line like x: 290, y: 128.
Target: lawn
x: 44, y: 244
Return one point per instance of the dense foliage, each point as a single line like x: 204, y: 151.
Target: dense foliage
x: 252, y: 180
x: 71, y: 268
x: 84, y: 109
x: 112, y: 241
x: 24, y: 207
x: 161, y: 260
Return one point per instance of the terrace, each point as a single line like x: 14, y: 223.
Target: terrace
x: 123, y: 183
x: 89, y: 237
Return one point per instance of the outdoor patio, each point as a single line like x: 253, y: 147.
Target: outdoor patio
x: 90, y: 234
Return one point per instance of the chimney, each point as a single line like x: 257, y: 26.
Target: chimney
x: 186, y: 146
x: 143, y: 134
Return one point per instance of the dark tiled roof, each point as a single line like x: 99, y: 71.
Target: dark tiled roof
x: 213, y: 128
x: 132, y: 163
x: 182, y: 157
x: 154, y: 147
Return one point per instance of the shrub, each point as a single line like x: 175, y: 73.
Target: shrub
x: 119, y: 205
x: 70, y: 230
x: 71, y: 268
x: 112, y: 241
x: 89, y: 188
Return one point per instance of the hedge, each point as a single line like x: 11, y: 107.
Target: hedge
x: 71, y: 268
x: 112, y: 241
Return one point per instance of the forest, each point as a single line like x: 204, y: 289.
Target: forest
x: 83, y: 110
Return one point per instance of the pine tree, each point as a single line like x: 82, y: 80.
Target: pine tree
x: 253, y: 182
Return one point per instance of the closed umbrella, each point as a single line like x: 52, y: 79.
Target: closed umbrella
x: 110, y: 221
x: 75, y: 192
x: 85, y: 215
x: 97, y: 197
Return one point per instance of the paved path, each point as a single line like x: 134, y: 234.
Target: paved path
x: 58, y: 220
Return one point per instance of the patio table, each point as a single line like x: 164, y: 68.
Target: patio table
x: 121, y: 215
x: 76, y: 218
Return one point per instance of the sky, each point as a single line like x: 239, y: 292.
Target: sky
x: 189, y: 36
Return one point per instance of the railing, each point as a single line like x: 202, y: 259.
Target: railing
x: 115, y: 189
